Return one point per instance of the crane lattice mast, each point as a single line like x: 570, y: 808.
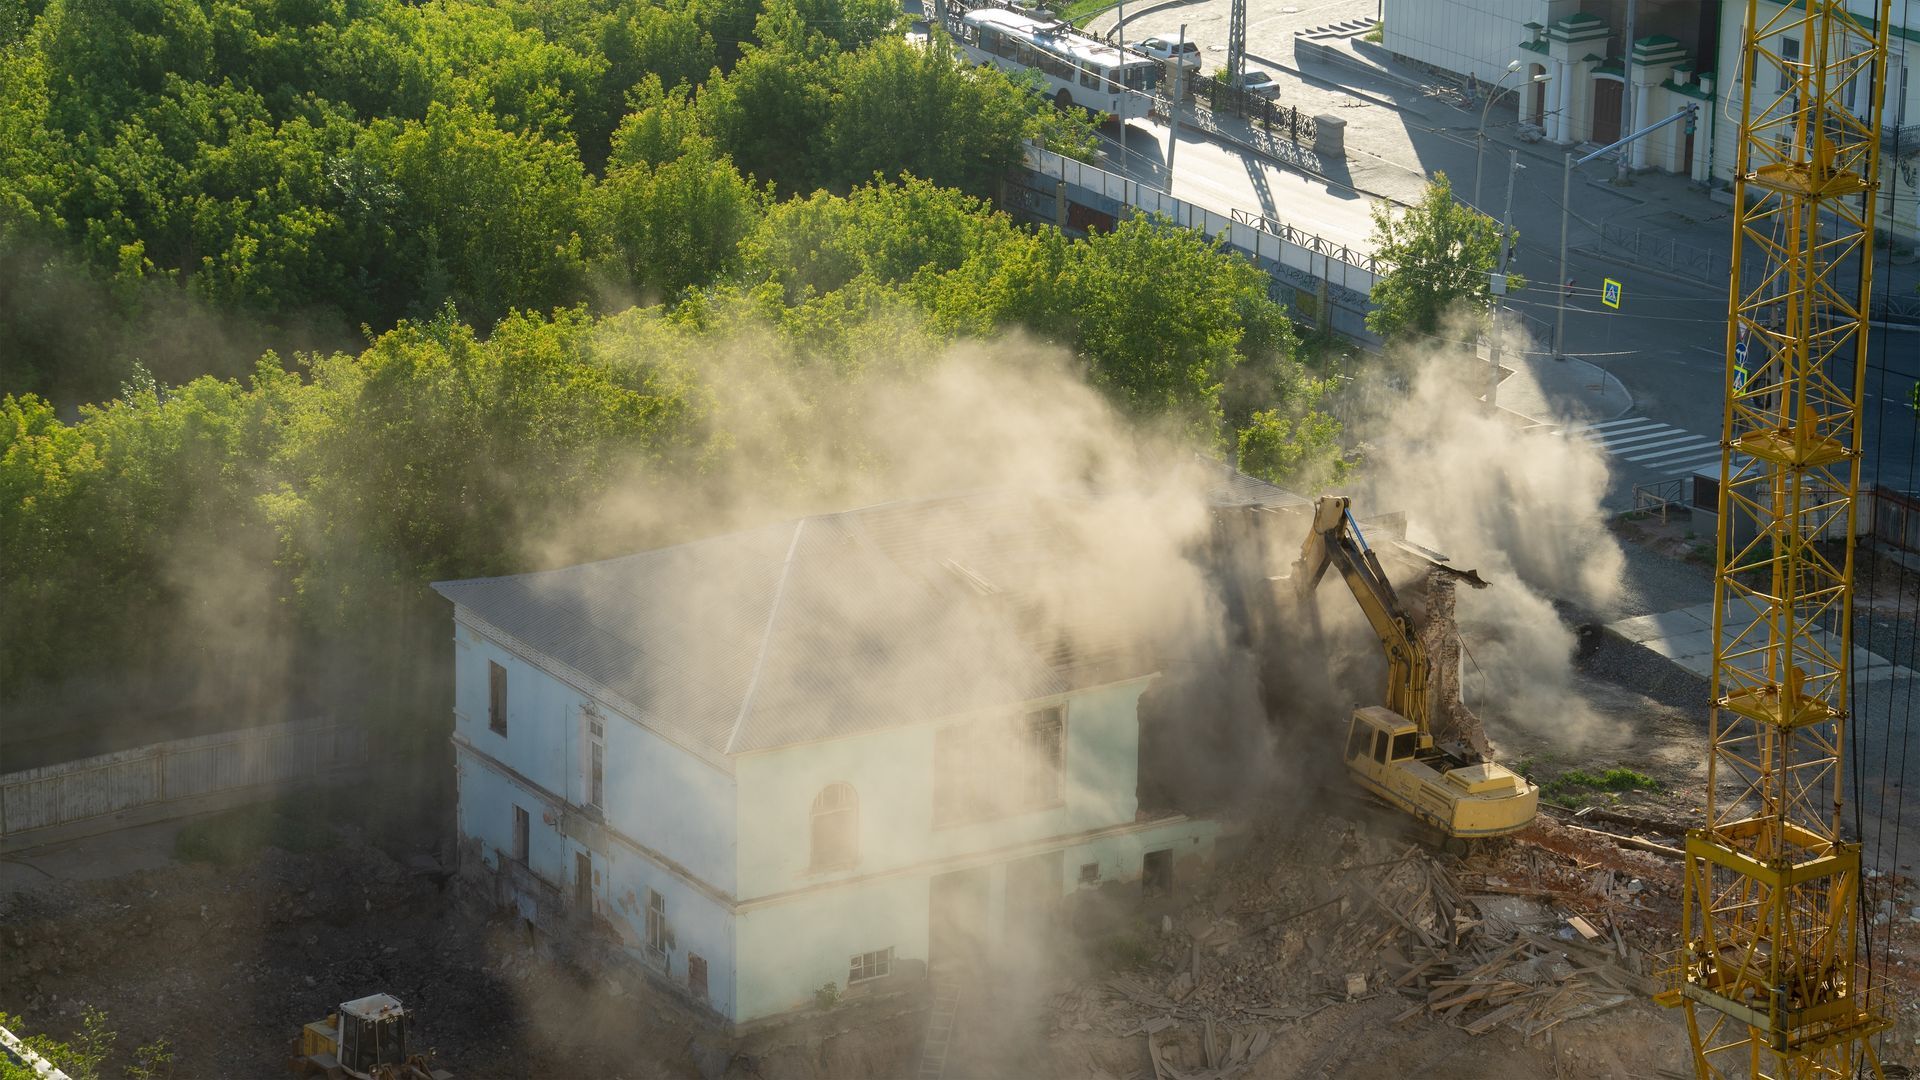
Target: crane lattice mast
x: 1769, y: 970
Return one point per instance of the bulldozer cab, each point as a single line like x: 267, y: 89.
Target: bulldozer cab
x: 373, y: 1032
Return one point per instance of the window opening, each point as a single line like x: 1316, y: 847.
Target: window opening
x: 1403, y: 744
x: 996, y: 768
x: 657, y: 937
x: 522, y: 841
x: 1357, y: 741
x: 1380, y: 747
x: 1156, y: 873
x: 583, y: 880
x: 496, y: 697
x: 870, y: 965
x: 836, y: 827
x: 1089, y: 873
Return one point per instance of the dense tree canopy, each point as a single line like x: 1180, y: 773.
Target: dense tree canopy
x: 592, y: 246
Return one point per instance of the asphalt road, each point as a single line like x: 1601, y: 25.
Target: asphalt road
x: 1665, y: 343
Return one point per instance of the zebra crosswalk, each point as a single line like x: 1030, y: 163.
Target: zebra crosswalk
x: 1658, y: 448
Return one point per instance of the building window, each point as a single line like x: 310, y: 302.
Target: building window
x: 496, y: 697
x: 996, y: 768
x: 1089, y: 873
x: 659, y: 939
x: 521, y: 835
x: 593, y: 757
x: 596, y: 781
x: 1789, y: 55
x: 870, y: 965
x: 836, y: 827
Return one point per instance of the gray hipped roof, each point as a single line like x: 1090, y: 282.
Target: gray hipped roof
x: 784, y: 634
x: 839, y: 623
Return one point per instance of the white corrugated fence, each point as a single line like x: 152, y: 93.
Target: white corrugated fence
x: 183, y: 772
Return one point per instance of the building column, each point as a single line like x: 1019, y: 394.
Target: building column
x: 1558, y: 91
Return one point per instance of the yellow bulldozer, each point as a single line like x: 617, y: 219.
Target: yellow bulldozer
x: 1390, y: 750
x: 366, y: 1039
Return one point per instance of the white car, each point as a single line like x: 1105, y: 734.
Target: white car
x: 1163, y: 50
x: 1260, y: 84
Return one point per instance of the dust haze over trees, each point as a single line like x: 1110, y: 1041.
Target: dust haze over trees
x: 545, y: 220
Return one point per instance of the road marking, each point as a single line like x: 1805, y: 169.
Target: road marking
x: 1653, y: 440
x: 1695, y: 448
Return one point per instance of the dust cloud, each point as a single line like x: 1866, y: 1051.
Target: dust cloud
x: 1521, y: 506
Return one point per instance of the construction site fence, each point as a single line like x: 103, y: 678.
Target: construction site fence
x: 1323, y: 283
x: 171, y: 779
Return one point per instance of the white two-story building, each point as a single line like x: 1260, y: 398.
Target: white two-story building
x: 822, y: 752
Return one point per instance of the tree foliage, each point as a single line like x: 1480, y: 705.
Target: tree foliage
x: 486, y: 189
x: 1442, y: 255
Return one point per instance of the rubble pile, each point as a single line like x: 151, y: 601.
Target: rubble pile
x: 1525, y: 936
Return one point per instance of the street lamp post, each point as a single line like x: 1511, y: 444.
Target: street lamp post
x: 1480, y: 136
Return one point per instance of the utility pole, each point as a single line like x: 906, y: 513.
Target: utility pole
x: 1626, y: 97
x: 1120, y: 43
x: 1506, y: 226
x: 1237, y: 44
x: 1173, y: 111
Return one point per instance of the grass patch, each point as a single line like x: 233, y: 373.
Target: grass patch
x: 1574, y: 787
x: 239, y: 835
x: 1079, y: 11
x: 1376, y: 35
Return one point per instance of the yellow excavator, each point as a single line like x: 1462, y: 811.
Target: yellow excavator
x: 366, y: 1040
x: 1390, y: 751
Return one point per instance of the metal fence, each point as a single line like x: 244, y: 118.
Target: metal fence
x: 1306, y: 269
x: 145, y: 782
x: 1665, y: 253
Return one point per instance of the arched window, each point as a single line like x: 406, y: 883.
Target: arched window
x: 836, y: 827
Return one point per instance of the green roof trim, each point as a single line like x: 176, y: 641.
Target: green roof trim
x: 1691, y: 90
x: 1535, y: 46
x: 1609, y: 67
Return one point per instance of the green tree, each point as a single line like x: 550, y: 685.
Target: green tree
x: 894, y: 232
x: 674, y: 225
x: 1442, y: 255
x: 899, y: 107
x: 769, y: 114
x: 1161, y: 314
x: 496, y: 216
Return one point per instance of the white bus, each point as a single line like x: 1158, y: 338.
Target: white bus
x: 1078, y: 70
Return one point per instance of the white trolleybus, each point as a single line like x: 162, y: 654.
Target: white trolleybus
x: 1078, y: 70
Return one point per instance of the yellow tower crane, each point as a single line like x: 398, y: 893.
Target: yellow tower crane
x: 1768, y: 970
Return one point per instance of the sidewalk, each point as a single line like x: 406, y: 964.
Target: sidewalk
x: 1559, y: 392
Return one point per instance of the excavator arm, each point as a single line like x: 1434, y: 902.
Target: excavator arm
x: 1335, y: 540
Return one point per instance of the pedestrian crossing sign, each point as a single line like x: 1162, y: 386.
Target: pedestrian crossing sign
x: 1610, y: 293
